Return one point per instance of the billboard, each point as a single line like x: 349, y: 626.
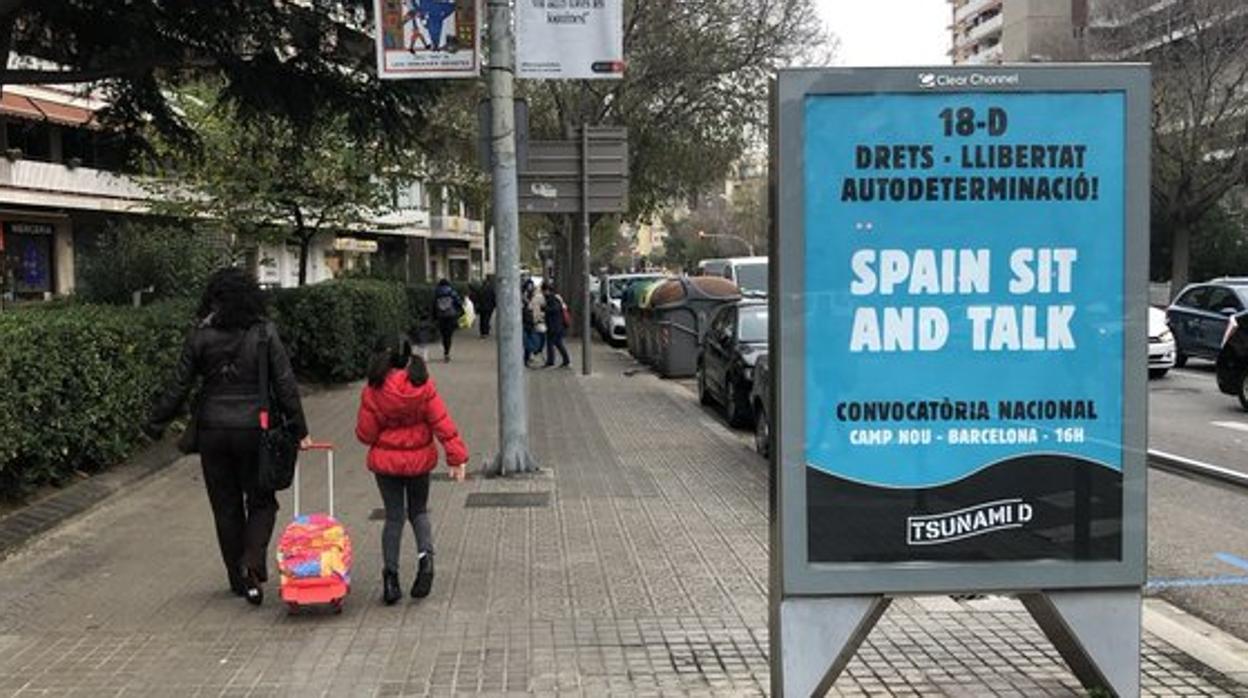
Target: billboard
x: 570, y: 39
x: 962, y: 353
x: 428, y: 38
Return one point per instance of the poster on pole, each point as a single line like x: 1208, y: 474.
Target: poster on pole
x: 428, y: 38
x: 570, y: 39
x: 963, y: 358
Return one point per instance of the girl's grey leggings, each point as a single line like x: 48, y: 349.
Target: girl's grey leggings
x: 405, y: 499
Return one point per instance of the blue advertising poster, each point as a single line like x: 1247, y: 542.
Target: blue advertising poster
x: 964, y: 326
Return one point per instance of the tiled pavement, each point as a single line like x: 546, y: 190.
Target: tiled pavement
x: 645, y: 574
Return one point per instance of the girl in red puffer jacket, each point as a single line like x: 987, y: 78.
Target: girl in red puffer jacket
x: 401, y: 414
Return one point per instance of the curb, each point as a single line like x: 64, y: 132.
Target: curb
x: 1198, y: 639
x: 20, y: 527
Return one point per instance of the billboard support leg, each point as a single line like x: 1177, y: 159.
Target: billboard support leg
x: 1097, y: 632
x: 817, y: 639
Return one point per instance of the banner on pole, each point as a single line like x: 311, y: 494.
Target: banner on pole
x: 419, y: 39
x: 570, y: 39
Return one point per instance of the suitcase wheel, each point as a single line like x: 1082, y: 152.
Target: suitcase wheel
x: 337, y: 604
x: 292, y: 606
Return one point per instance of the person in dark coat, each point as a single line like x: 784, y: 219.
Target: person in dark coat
x: 223, y: 352
x: 552, y: 311
x: 447, y: 307
x: 486, y: 304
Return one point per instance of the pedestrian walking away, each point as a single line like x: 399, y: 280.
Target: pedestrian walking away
x: 536, y: 306
x: 400, y: 416
x: 447, y: 307
x: 486, y: 304
x: 223, y: 352
x: 555, y: 313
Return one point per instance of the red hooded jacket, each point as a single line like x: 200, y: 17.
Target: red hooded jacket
x: 399, y: 422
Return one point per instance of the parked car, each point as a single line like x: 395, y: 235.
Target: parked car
x: 607, y: 315
x: 1232, y: 366
x: 748, y: 273
x: 760, y: 398
x: 1160, y: 344
x: 1198, y: 317
x: 735, y: 339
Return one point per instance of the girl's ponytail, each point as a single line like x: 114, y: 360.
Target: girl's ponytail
x: 389, y: 352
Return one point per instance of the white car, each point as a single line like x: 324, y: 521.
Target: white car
x: 608, y: 314
x: 1160, y: 344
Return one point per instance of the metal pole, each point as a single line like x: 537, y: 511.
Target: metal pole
x: 513, y: 423
x: 586, y: 358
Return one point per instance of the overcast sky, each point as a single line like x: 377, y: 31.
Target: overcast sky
x: 889, y: 32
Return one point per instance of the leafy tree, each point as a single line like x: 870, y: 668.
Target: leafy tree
x: 297, y: 60
x: 1199, y: 52
x: 171, y: 259
x: 265, y: 179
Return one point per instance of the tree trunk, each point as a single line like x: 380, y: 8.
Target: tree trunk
x: 1180, y: 258
x: 305, y: 243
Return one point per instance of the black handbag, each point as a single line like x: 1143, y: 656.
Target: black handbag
x: 279, y: 447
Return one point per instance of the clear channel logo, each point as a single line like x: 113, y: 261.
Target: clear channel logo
x: 929, y: 81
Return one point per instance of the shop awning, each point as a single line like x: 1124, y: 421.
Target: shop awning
x: 44, y: 110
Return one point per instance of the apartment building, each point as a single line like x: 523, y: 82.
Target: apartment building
x: 1011, y: 31
x: 63, y: 182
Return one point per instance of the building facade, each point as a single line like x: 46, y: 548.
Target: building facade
x: 63, y: 183
x: 988, y: 32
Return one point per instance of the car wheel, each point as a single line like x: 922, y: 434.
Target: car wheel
x: 704, y: 394
x: 1243, y: 391
x: 762, y: 433
x: 738, y: 405
x: 1157, y: 372
x: 1180, y: 359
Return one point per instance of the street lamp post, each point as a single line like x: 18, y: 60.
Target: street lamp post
x: 749, y: 245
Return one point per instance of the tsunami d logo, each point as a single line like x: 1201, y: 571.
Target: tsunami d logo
x: 935, y: 529
x: 927, y: 80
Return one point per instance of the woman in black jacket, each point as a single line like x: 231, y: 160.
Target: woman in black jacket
x: 223, y: 353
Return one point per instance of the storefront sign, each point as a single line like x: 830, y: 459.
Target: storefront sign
x: 428, y: 38
x: 570, y: 39
x: 355, y: 245
x: 961, y: 329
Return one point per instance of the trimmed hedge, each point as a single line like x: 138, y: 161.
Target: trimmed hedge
x: 74, y: 384
x: 76, y: 381
x: 329, y: 328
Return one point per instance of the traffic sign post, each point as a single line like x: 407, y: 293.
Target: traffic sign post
x: 958, y: 341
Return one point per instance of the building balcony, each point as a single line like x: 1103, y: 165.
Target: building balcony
x: 404, y: 222
x: 974, y: 7
x: 991, y: 27
x: 456, y: 227
x: 988, y: 56
x: 35, y: 183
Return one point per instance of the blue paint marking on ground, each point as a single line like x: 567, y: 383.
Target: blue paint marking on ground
x: 1188, y: 582
x: 1233, y: 560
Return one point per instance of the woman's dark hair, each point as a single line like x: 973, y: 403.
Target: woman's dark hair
x: 233, y: 299
x: 392, y: 352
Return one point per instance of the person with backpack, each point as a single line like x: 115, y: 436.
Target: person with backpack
x: 447, y: 307
x: 536, y: 302
x: 224, y: 353
x: 401, y: 415
x: 555, y: 313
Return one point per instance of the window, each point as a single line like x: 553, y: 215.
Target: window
x: 753, y: 324
x: 33, y: 138
x: 1195, y: 298
x: 752, y: 277
x: 1221, y: 298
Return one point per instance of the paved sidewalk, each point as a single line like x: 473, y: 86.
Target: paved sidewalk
x: 642, y: 570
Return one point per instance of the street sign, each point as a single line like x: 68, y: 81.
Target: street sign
x: 419, y: 39
x: 959, y: 331
x: 552, y: 195
x: 551, y: 176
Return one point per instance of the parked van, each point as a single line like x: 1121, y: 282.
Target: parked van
x: 748, y: 273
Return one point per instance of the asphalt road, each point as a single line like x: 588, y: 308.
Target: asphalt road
x: 1198, y: 533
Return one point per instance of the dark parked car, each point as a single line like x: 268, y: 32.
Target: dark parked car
x: 1233, y: 360
x: 1198, y: 317
x: 735, y: 339
x: 760, y: 398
